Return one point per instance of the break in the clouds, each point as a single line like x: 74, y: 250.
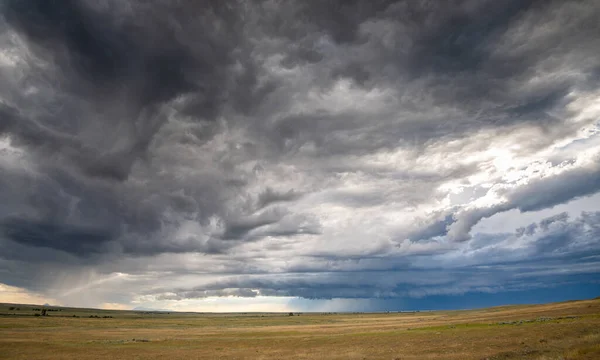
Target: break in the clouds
x: 298, y: 154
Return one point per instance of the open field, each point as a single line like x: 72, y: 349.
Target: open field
x: 569, y: 330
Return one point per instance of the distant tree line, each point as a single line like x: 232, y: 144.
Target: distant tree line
x: 44, y: 312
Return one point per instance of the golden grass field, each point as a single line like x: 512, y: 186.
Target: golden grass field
x: 568, y: 330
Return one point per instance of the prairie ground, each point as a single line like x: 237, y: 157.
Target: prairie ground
x: 568, y: 330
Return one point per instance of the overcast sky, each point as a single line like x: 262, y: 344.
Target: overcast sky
x: 299, y: 155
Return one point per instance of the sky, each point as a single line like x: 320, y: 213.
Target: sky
x: 299, y: 155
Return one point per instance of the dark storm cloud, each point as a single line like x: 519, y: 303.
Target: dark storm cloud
x: 350, y: 285
x: 9, y: 116
x: 115, y: 69
x: 150, y: 128
x: 270, y: 196
x: 545, y: 223
x: 133, y: 62
x: 452, y: 52
x: 62, y: 212
x: 237, y: 229
x: 290, y: 226
x: 456, y: 55
x: 436, y: 228
x: 551, y: 241
x: 527, y: 230
x: 301, y: 56
x: 556, y: 190
x: 59, y: 236
x: 276, y: 222
x: 537, y: 195
x: 92, y: 46
x: 559, y: 242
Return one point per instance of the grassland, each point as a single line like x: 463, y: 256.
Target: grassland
x: 569, y: 330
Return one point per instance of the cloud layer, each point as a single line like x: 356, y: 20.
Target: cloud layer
x: 298, y: 149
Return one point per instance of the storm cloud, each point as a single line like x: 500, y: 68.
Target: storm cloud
x: 297, y: 149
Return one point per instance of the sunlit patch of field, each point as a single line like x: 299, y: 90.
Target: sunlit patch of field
x: 569, y: 330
